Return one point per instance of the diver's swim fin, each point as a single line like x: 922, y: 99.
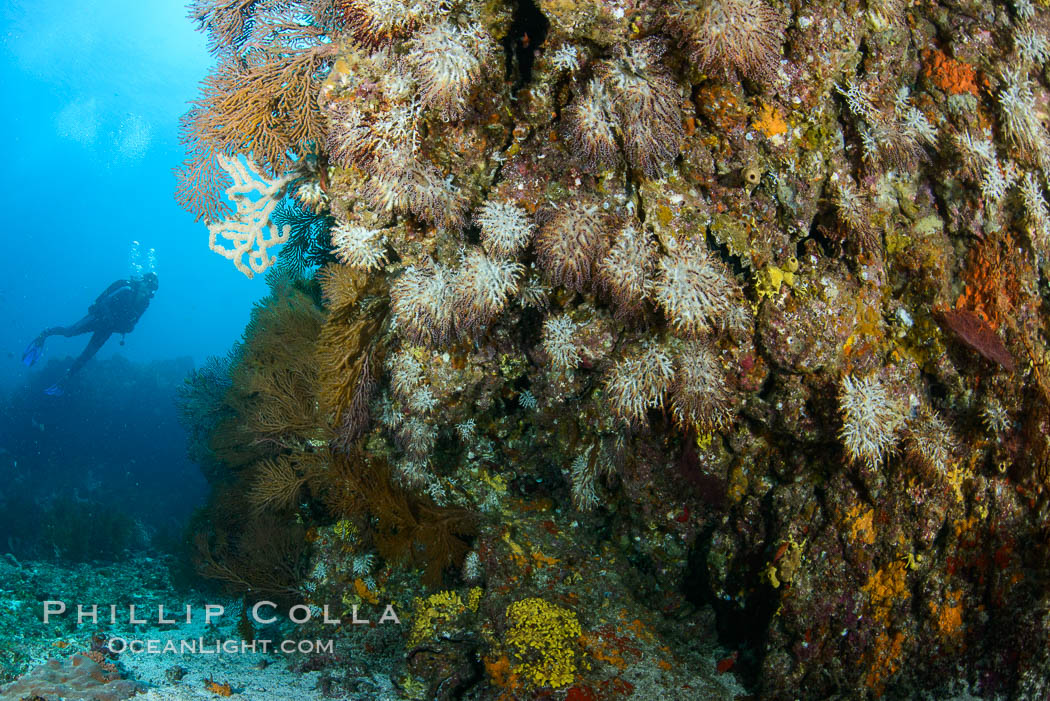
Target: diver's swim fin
x: 32, y: 352
x: 54, y: 390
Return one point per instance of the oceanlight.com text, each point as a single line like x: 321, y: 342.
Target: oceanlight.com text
x: 200, y: 646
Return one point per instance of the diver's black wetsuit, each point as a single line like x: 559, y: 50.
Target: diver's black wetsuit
x: 116, y: 310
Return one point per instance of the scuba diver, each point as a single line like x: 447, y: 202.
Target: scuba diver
x: 116, y: 310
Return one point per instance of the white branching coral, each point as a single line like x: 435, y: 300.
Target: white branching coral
x: 406, y: 375
x: 372, y: 140
x: 1031, y: 45
x: 913, y: 125
x: 377, y: 22
x: 870, y: 146
x: 560, y: 342
x: 583, y: 479
x: 694, y: 289
x: 447, y: 62
x: 929, y: 442
x: 527, y: 400
x: 311, y: 196
x: 626, y: 271
x: 1020, y: 117
x: 533, y: 292
x: 422, y: 400
x: 350, y: 136
x: 565, y: 58
x: 571, y: 243
x: 418, y: 187
x: 976, y: 152
x: 472, y: 570
x: 467, y: 430
x: 408, y: 384
x: 1024, y: 9
x: 916, y: 128
x: 690, y: 381
x: 249, y: 231
x: 996, y: 179
x: 420, y: 304
x: 647, y: 102
x: 592, y: 127
x: 1037, y: 214
x: 482, y: 288
x: 859, y: 101
x: 414, y: 474
x: 700, y: 396
x: 894, y: 139
x: 417, y: 438
x: 505, y: 227
x: 379, y: 132
x: 362, y: 564
x: 884, y: 14
x: 380, y: 123
x: 995, y: 416
x: 871, y: 419
x: 634, y: 96
x: 729, y: 36
x: 388, y: 414
x: 852, y: 209
x: 359, y: 246
x: 638, y: 382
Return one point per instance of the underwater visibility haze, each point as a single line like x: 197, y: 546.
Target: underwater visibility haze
x: 526, y: 349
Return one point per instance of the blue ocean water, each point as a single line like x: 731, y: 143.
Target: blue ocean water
x: 92, y: 96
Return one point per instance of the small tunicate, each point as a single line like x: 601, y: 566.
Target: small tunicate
x: 752, y: 175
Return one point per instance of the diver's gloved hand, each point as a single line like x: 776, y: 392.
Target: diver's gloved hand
x: 32, y: 352
x: 55, y: 390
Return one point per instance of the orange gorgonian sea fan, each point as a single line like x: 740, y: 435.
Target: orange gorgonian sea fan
x: 261, y: 98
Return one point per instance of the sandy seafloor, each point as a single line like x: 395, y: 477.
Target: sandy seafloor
x: 145, y: 581
x: 250, y: 675
x: 26, y: 642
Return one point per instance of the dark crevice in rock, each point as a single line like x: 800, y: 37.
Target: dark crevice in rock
x: 528, y: 29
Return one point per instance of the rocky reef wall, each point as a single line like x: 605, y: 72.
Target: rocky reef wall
x: 628, y: 323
